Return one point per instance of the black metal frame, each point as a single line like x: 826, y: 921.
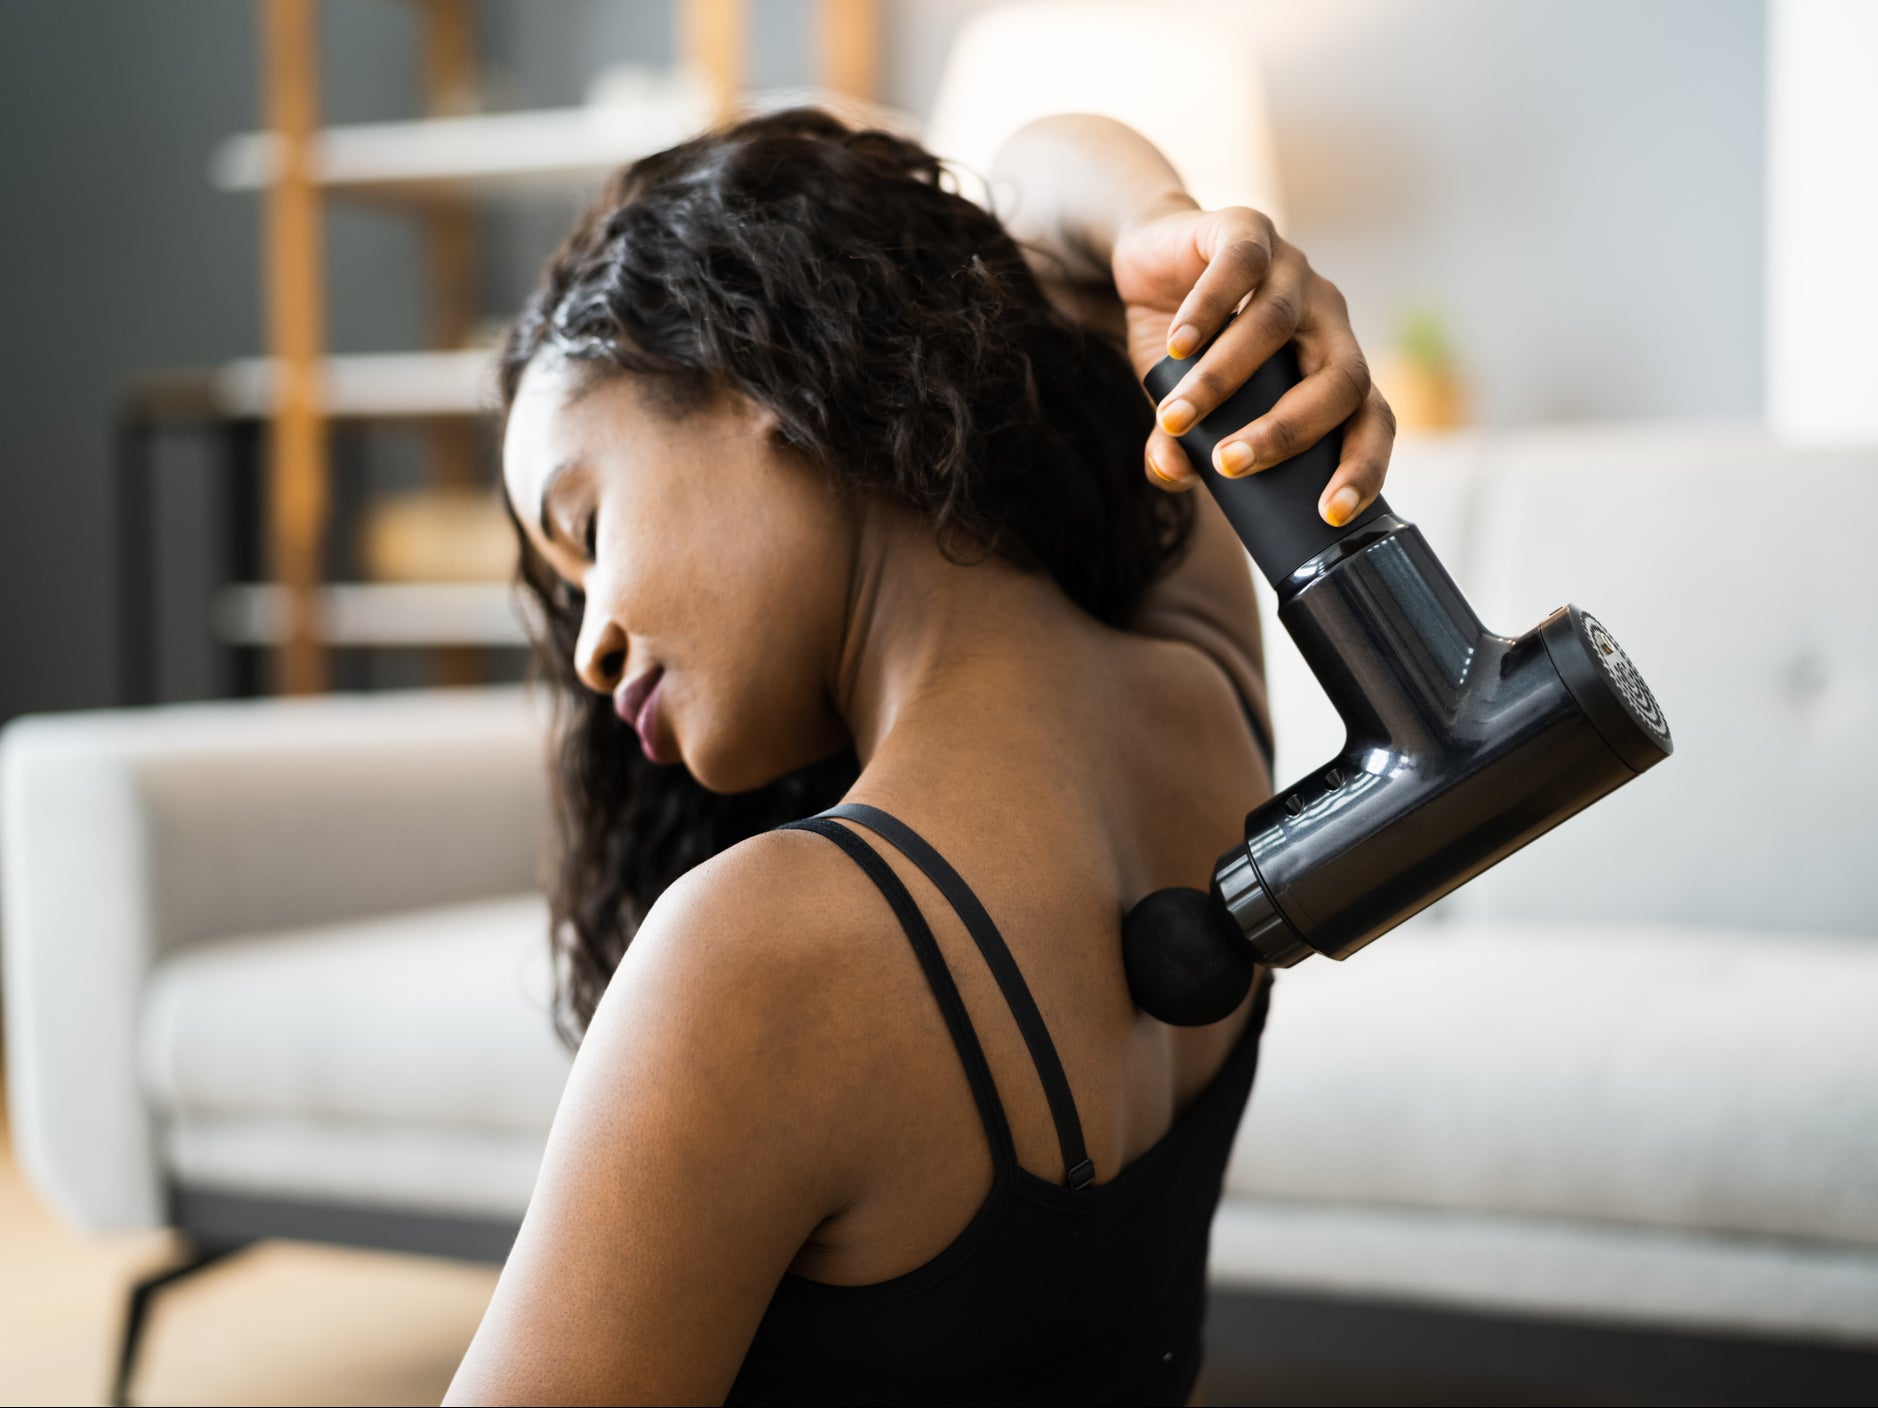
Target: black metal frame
x: 137, y: 1309
x: 215, y: 1225
x: 136, y: 439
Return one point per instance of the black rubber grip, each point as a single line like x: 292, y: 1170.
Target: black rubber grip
x: 1274, y: 512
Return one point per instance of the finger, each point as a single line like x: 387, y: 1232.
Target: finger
x: 1268, y: 323
x: 1335, y: 384
x: 1237, y: 249
x: 1168, y: 465
x: 1367, y: 442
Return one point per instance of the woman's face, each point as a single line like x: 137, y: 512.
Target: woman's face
x: 715, y: 567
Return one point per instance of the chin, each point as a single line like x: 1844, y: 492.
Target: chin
x: 727, y: 769
x: 724, y: 782
x: 731, y: 768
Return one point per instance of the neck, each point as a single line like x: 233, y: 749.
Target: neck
x: 930, y: 642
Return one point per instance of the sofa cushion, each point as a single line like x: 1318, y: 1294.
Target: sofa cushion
x: 1710, y: 553
x: 434, y: 1018
x: 1703, y: 1079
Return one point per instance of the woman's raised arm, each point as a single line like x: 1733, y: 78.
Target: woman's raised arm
x: 1118, y: 242
x: 1114, y: 234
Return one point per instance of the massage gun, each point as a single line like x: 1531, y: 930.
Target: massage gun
x: 1462, y: 745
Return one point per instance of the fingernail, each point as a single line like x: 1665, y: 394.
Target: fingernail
x: 1233, y: 458
x: 1342, y: 507
x: 1177, y: 417
x: 1182, y: 341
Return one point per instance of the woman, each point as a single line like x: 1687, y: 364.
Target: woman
x: 824, y: 499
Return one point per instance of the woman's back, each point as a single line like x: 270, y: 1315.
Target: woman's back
x: 1117, y: 765
x: 1077, y: 1293
x: 1045, y: 1237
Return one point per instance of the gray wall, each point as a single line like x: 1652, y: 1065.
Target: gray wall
x: 115, y: 257
x: 1575, y: 185
x: 118, y: 258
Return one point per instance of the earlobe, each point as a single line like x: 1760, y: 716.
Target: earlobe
x: 769, y: 426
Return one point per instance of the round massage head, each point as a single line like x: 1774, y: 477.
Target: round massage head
x: 1187, y: 962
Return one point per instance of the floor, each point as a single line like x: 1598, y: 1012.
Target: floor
x: 278, y: 1324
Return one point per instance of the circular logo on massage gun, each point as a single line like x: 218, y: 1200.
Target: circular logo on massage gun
x: 1625, y: 677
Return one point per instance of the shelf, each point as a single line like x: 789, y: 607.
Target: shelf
x: 549, y: 150
x: 378, y: 614
x: 371, y: 385
x: 365, y: 386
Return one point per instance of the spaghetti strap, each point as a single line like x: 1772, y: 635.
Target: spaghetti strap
x: 951, y: 1006
x: 1079, y: 1169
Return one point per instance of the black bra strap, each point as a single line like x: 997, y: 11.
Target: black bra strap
x: 951, y: 1006
x: 1079, y: 1169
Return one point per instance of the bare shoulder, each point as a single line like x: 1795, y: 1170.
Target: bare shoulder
x: 707, y: 1130
x: 771, y: 914
x: 768, y: 957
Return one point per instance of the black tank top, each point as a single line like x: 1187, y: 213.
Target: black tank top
x: 1079, y: 1293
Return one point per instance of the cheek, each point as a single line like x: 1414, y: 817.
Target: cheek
x: 768, y: 561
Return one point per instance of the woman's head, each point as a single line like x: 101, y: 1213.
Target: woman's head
x: 751, y: 339
x: 708, y: 559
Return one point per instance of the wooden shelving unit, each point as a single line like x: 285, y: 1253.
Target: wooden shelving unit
x: 436, y: 168
x: 295, y: 296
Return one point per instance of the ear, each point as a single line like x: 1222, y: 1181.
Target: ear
x: 765, y: 421
x: 781, y: 437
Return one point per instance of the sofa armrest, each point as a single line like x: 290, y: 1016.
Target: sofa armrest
x: 125, y: 835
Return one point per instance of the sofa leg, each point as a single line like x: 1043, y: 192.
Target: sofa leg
x: 137, y: 1311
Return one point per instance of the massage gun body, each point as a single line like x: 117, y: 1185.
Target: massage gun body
x: 1462, y: 746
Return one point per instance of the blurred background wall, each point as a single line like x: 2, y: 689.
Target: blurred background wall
x: 1575, y: 191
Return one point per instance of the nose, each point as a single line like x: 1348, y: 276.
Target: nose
x: 600, y: 652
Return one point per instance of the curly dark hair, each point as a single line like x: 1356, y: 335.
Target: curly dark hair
x: 837, y: 278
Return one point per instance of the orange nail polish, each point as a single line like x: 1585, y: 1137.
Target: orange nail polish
x: 1341, y: 508
x: 1233, y: 459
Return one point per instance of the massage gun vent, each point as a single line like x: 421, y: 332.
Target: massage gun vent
x: 1629, y: 683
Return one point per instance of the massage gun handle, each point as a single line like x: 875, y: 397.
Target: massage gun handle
x: 1274, y: 512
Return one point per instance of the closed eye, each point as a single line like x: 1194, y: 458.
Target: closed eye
x: 590, y: 534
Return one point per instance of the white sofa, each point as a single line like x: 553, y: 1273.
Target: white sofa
x: 278, y: 967
x: 285, y: 950
x: 1630, y: 1076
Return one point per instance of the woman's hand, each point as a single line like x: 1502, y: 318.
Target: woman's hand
x: 1181, y: 272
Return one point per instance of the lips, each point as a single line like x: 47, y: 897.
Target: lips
x: 637, y: 702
